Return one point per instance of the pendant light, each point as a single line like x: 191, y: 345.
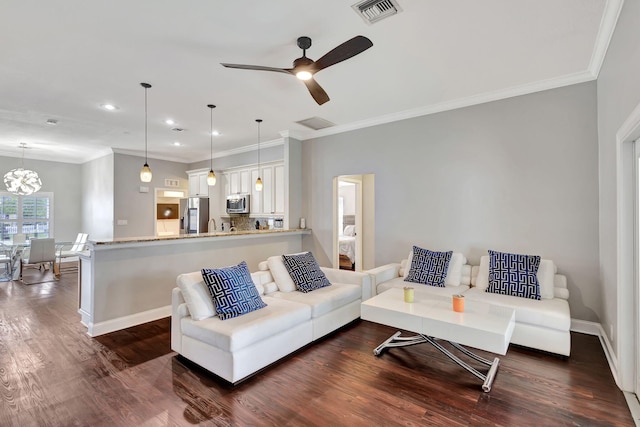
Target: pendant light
x: 259, y: 180
x: 145, y: 173
x: 22, y: 181
x: 211, y: 178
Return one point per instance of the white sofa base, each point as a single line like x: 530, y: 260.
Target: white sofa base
x: 241, y: 363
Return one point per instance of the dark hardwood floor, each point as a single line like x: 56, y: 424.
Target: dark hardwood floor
x: 53, y: 374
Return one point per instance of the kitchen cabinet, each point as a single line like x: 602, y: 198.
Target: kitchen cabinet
x: 198, y: 183
x: 269, y: 201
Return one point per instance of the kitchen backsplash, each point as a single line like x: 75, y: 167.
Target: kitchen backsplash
x: 243, y: 222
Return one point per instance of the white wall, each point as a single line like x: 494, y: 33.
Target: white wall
x: 618, y: 95
x: 64, y: 180
x: 97, y: 200
x: 137, y: 207
x: 514, y: 175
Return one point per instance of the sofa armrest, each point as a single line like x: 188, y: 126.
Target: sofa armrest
x: 384, y: 273
x: 560, y: 289
x: 351, y: 277
x: 178, y: 311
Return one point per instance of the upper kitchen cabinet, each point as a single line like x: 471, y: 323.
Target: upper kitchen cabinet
x: 198, y: 183
x: 269, y: 201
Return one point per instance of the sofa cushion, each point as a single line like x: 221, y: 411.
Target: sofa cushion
x: 428, y: 267
x: 546, y: 276
x: 514, y: 274
x: 324, y: 300
x: 305, y: 272
x: 548, y: 313
x: 399, y: 282
x: 239, y: 332
x: 454, y: 271
x: 233, y: 291
x: 196, y: 295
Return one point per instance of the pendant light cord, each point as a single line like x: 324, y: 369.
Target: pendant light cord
x: 145, y: 125
x: 259, y: 121
x: 211, y: 106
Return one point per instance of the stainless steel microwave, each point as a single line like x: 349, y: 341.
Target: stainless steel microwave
x: 238, y: 203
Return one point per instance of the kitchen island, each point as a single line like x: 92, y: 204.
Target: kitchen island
x: 126, y: 282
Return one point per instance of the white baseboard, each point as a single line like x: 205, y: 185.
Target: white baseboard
x: 101, y: 328
x: 593, y: 328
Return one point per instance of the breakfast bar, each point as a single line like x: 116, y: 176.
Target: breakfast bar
x: 126, y: 282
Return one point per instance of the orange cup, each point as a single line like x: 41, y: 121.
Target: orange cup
x: 458, y: 303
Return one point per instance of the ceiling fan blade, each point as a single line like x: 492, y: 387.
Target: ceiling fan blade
x: 259, y: 68
x: 346, y: 50
x: 316, y: 91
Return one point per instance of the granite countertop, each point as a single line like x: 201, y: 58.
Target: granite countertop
x: 196, y: 236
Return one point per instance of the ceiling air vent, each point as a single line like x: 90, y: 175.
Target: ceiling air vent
x: 316, y: 123
x: 375, y: 10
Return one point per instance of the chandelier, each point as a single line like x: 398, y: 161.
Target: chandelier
x: 22, y: 181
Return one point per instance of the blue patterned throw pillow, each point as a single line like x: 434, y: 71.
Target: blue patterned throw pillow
x: 514, y: 274
x: 305, y: 272
x: 232, y: 290
x: 428, y: 267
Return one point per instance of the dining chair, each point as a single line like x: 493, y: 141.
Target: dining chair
x: 39, y: 253
x: 74, y: 250
x: 6, y: 257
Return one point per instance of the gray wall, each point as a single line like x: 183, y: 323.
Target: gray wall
x: 134, y: 206
x: 618, y: 95
x: 515, y: 175
x: 64, y: 180
x: 97, y: 200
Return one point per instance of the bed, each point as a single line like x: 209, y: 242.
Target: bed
x: 347, y: 247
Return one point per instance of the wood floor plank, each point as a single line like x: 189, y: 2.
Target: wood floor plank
x: 53, y: 374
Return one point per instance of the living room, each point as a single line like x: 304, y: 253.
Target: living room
x: 537, y: 169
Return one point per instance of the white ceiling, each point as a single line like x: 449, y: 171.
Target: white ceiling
x: 62, y: 59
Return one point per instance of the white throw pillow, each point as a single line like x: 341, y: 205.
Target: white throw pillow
x: 196, y: 295
x: 545, y: 274
x: 280, y: 274
x: 454, y: 271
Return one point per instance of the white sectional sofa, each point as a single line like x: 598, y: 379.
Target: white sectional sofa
x: 541, y: 324
x: 238, y: 347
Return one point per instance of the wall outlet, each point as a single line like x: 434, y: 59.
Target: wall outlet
x: 144, y: 189
x: 122, y: 222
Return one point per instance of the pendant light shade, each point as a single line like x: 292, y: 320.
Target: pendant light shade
x: 211, y: 177
x: 22, y: 181
x: 145, y: 173
x: 259, y: 185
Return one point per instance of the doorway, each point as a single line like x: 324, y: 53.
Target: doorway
x: 166, y: 206
x: 353, y: 222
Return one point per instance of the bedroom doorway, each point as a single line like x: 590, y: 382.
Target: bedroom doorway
x: 353, y: 221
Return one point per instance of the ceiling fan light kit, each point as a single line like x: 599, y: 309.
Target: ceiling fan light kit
x: 305, y: 68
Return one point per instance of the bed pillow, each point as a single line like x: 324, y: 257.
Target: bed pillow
x: 428, y: 267
x: 305, y: 272
x: 349, y: 230
x: 454, y: 272
x: 196, y: 295
x: 514, y: 274
x: 232, y: 290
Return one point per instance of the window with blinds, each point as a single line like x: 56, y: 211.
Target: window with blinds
x: 31, y: 216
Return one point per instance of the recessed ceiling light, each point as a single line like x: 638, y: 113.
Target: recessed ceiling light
x: 109, y: 107
x: 169, y: 122
x: 52, y: 122
x: 215, y: 133
x: 177, y: 144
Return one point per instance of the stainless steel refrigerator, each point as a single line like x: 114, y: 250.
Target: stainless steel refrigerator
x: 194, y: 215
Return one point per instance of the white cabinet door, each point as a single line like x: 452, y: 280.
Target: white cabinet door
x: 278, y: 189
x: 234, y: 182
x: 267, y: 190
x: 198, y: 184
x: 245, y: 184
x: 256, y: 196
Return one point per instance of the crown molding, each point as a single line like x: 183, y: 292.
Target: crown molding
x: 300, y: 136
x: 538, y: 86
x: 248, y: 148
x: 608, y: 23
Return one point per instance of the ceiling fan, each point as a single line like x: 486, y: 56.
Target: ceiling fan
x: 304, y: 68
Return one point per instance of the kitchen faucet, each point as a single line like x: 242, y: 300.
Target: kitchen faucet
x: 214, y: 224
